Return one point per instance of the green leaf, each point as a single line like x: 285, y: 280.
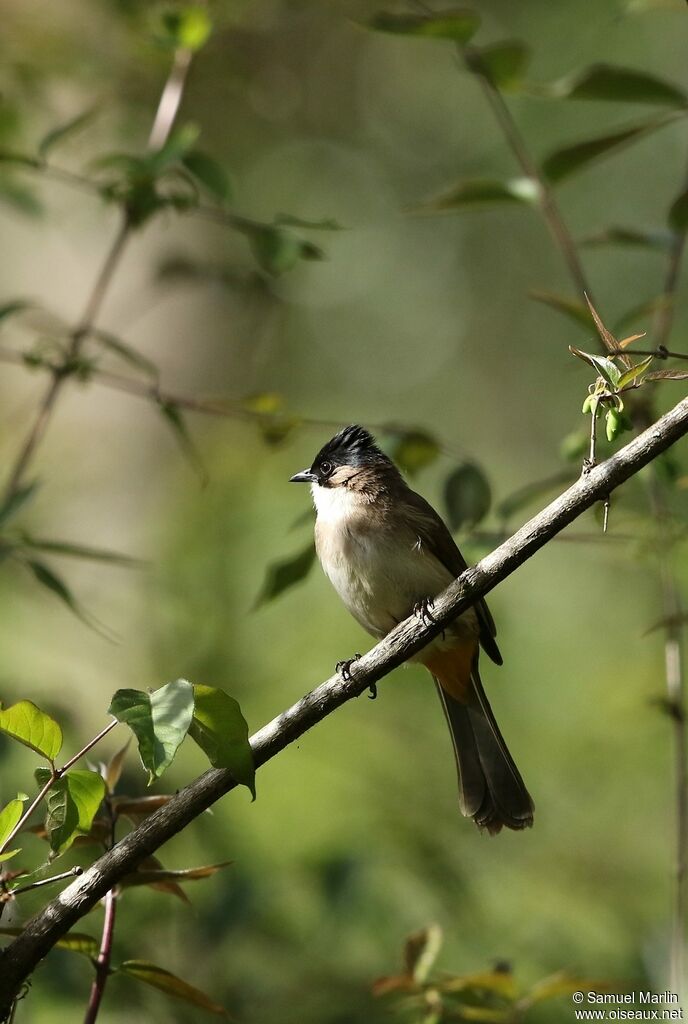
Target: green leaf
x: 9, y: 309
x: 70, y: 550
x: 209, y: 173
x: 634, y: 372
x: 9, y: 818
x: 188, y: 28
x: 280, y: 576
x: 289, y: 221
x: 72, y: 802
x: 477, y: 192
x: 63, y: 131
x: 29, y: 725
x: 220, y: 730
x: 159, y: 721
x: 156, y: 976
x: 571, y: 308
x: 607, y: 368
x: 562, y: 163
x: 661, y: 241
x: 75, y: 942
x: 467, y: 496
x: 503, y: 64
x: 421, y: 951
x: 414, y: 450
x: 618, y: 84
x: 455, y: 24
x: 678, y: 214
x: 277, y: 249
x: 16, y: 501
x: 174, y: 417
x: 125, y: 352
x: 52, y: 582
x: 530, y: 492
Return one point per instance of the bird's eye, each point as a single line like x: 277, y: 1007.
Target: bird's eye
x: 326, y: 468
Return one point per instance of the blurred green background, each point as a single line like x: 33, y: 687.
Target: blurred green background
x: 355, y: 839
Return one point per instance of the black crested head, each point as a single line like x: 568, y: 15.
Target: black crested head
x: 352, y: 446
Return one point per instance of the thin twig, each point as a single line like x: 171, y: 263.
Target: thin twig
x: 104, y: 959
x: 41, y: 933
x: 72, y: 873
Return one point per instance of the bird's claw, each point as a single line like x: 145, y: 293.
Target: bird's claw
x: 373, y: 691
x: 344, y: 667
x: 423, y: 610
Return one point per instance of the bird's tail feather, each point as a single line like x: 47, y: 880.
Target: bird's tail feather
x: 491, y: 790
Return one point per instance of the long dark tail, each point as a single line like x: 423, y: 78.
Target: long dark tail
x: 491, y: 790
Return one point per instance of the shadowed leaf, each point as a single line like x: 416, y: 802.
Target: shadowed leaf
x: 476, y: 192
x: 208, y: 172
x: 455, y: 24
x: 112, y: 771
x: 75, y: 942
x: 414, y: 450
x: 467, y: 496
x: 564, y: 162
x: 220, y: 730
x: 125, y: 352
x: 420, y: 952
x: 280, y: 576
x: 289, y: 221
x: 29, y: 725
x: 149, y: 973
x: 155, y: 876
x: 63, y: 131
x: 525, y: 495
x: 136, y: 808
x: 618, y: 84
x: 667, y: 622
x: 277, y: 249
x: 72, y: 805
x: 16, y: 501
x: 667, y: 375
x: 159, y: 721
x: 174, y: 417
x: 52, y: 582
x: 572, y: 308
x: 16, y: 306
x: 503, y: 64
x: 71, y: 550
x: 661, y: 241
x: 678, y: 213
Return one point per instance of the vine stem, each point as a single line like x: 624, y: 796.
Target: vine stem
x: 163, y: 122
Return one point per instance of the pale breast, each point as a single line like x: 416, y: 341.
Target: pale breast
x: 379, y: 570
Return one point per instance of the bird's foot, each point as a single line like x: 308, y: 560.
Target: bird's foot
x: 423, y: 611
x: 373, y: 691
x: 344, y: 667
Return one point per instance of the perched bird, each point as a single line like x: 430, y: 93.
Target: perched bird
x: 388, y: 553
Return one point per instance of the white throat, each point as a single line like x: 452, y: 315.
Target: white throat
x: 334, y: 504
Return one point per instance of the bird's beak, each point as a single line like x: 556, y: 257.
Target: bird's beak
x: 304, y: 477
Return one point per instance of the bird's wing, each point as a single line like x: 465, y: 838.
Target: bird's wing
x: 435, y: 536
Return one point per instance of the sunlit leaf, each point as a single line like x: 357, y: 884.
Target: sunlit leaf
x: 634, y: 373
x: 564, y: 984
x: 607, y: 368
x: 63, y: 131
x: 501, y: 983
x: 455, y: 24
x: 413, y: 450
x: 149, y: 973
x: 72, y: 802
x: 9, y: 819
x: 29, y: 725
x: 16, y: 501
x: 503, y: 64
x: 75, y: 942
x: 467, y: 496
x: 187, y: 28
x: 667, y: 375
x: 209, y: 172
x: 220, y: 730
x: 159, y: 721
x: 564, y: 162
x: 661, y: 241
x: 572, y: 308
x: 478, y: 192
x: 618, y: 84
x: 421, y: 950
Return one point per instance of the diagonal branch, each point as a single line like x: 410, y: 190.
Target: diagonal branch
x: 20, y: 958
